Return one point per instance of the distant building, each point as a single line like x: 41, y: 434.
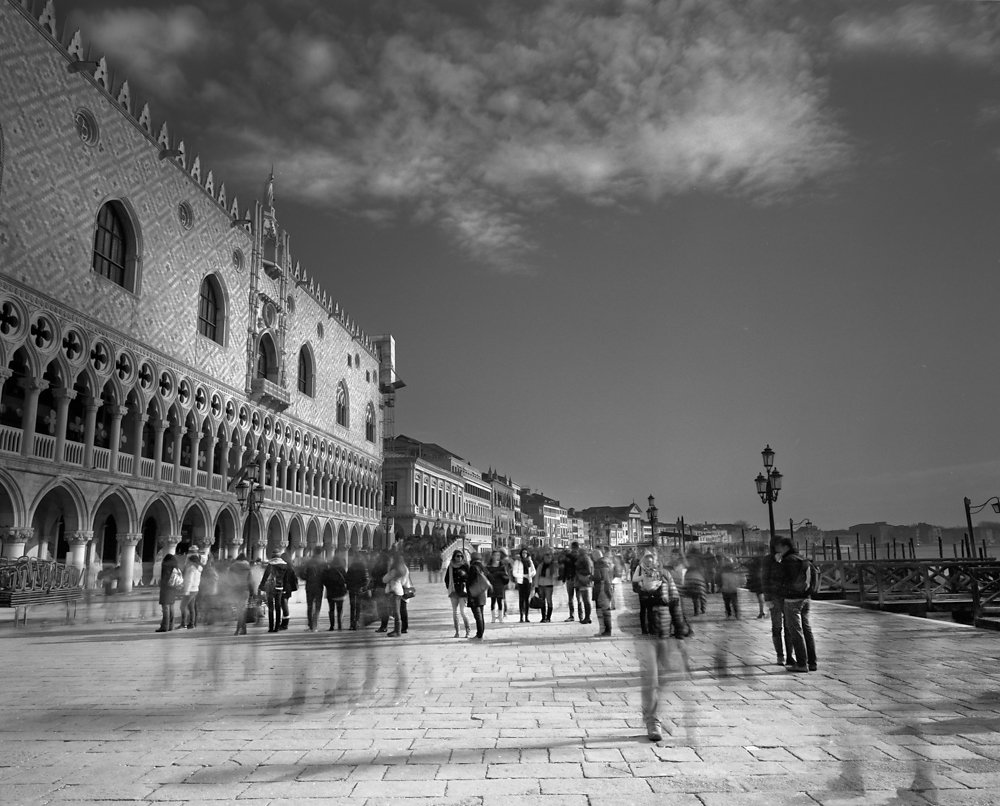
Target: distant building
x: 506, y: 509
x: 429, y: 497
x: 616, y: 527
x: 549, y: 518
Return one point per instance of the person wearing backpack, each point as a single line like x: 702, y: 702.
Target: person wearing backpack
x: 796, y: 578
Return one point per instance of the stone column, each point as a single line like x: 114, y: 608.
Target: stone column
x: 195, y: 435
x: 140, y: 421
x: 91, y: 407
x: 63, y: 397
x: 117, y: 412
x: 15, y: 538
x: 167, y: 544
x: 210, y: 460
x: 158, y: 430
x: 78, y: 550
x: 32, y: 389
x: 126, y: 559
x: 224, y: 469
x: 178, y: 439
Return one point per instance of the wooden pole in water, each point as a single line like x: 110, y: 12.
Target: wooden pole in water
x: 874, y: 547
x: 940, y: 547
x: 954, y: 547
x: 913, y: 550
x: 837, y: 538
x: 857, y: 540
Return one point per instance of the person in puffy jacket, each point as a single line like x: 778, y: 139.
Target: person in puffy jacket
x: 189, y: 597
x: 523, y: 571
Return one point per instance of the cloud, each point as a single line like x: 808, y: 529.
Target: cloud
x: 480, y: 118
x: 966, y: 32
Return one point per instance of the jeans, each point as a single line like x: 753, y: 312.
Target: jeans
x: 583, y: 605
x: 656, y: 662
x: 646, y: 605
x: 523, y: 595
x: 355, y: 597
x: 546, y: 591
x: 189, y: 609
x: 731, y: 601
x: 394, y: 601
x: 571, y: 595
x: 336, y: 612
x: 782, y: 648
x: 274, y: 602
x: 314, y: 603
x: 477, y: 614
x: 797, y: 623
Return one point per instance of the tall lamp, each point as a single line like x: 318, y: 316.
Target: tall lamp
x: 769, y: 486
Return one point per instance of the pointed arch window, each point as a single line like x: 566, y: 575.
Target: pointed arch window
x: 370, y: 423
x: 267, y: 359
x: 342, y: 405
x: 306, y: 376
x: 211, y: 310
x: 114, y: 256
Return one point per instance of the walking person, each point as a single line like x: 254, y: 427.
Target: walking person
x: 584, y: 582
x: 336, y: 587
x: 523, y: 572
x: 478, y: 587
x: 773, y: 598
x: 695, y: 584
x: 358, y: 583
x: 730, y: 586
x: 169, y: 587
x: 667, y: 631
x: 312, y: 575
x: 646, y: 583
x: 207, y: 604
x: 382, y: 604
x: 603, y: 590
x: 545, y: 582
x: 568, y: 576
x: 499, y: 575
x: 276, y: 579
x: 456, y: 578
x: 755, y: 582
x: 192, y: 582
x: 242, y: 591
x: 794, y: 584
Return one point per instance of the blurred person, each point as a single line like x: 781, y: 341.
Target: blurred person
x: 312, y: 575
x: 379, y: 568
x: 730, y: 587
x: 771, y: 582
x: 523, y: 573
x: 695, y: 584
x: 603, y: 590
x: 189, y: 597
x: 546, y: 580
x: 710, y: 567
x: 584, y: 566
x: 655, y: 655
x: 793, y: 586
x: 499, y: 575
x: 241, y: 591
x: 358, y: 584
x: 478, y: 588
x: 568, y: 576
x: 168, y: 591
x: 455, y: 580
x: 755, y: 583
x: 208, y: 591
x: 335, y: 585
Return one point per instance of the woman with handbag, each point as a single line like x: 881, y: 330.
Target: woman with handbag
x: 524, y: 573
x: 397, y: 580
x: 169, y: 573
x: 455, y: 580
x: 548, y: 576
x: 479, y: 587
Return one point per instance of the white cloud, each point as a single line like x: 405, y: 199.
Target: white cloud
x: 470, y: 117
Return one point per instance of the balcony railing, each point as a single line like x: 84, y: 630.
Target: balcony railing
x: 102, y: 459
x: 166, y: 472
x: 147, y: 468
x: 269, y: 394
x: 125, y: 463
x: 73, y: 453
x: 10, y: 439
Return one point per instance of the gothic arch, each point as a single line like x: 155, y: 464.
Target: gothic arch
x: 12, y: 511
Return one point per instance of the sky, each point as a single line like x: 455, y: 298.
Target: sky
x: 623, y: 245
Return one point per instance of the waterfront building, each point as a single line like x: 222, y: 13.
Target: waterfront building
x: 549, y: 518
x: 616, y: 527
x: 158, y: 341
x: 506, y: 510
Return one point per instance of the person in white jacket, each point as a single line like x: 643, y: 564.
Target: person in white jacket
x: 189, y: 593
x: 397, y: 580
x: 523, y: 572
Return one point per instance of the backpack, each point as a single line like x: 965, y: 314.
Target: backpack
x: 807, y: 579
x: 176, y: 580
x: 813, y: 579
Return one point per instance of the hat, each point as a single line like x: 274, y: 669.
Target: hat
x: 194, y: 557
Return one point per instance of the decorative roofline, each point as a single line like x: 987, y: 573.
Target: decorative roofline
x: 176, y: 153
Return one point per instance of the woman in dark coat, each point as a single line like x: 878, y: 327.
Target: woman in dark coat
x: 168, y: 594
x: 478, y: 589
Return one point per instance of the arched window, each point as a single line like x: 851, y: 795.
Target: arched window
x: 342, y: 404
x: 115, y: 246
x: 267, y: 359
x: 306, y: 379
x: 370, y: 423
x: 211, y: 317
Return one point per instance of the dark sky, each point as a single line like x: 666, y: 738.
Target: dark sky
x: 622, y: 246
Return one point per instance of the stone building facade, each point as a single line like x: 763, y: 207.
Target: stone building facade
x: 157, y: 339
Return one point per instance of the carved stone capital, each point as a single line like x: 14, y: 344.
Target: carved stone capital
x: 16, y: 534
x: 79, y: 538
x: 130, y: 539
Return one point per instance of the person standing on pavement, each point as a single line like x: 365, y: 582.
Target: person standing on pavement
x: 382, y: 603
x: 192, y: 582
x: 168, y: 593
x: 584, y: 582
x: 730, y: 586
x: 793, y: 585
x: 273, y: 585
x: 646, y: 583
x: 241, y: 591
x: 312, y: 575
x: 771, y: 582
x: 478, y: 588
x: 499, y: 575
x: 568, y: 576
x: 335, y: 585
x: 603, y: 590
x: 397, y: 580
x: 755, y: 582
x: 695, y: 584
x: 523, y: 572
x: 358, y: 583
x: 456, y: 578
x: 545, y: 582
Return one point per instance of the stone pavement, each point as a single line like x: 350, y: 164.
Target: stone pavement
x: 902, y: 711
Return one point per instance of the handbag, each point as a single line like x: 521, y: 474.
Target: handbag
x: 176, y: 581
x: 250, y: 612
x: 478, y: 586
x: 535, y: 602
x: 409, y: 592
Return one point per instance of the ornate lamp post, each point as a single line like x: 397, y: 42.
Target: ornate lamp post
x: 250, y: 492
x: 769, y: 486
x: 461, y: 534
x: 969, y: 509
x: 651, y: 513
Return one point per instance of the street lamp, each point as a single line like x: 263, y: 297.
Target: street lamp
x: 461, y: 534
x: 769, y: 486
x: 652, y: 512
x: 249, y: 491
x: 969, y: 510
